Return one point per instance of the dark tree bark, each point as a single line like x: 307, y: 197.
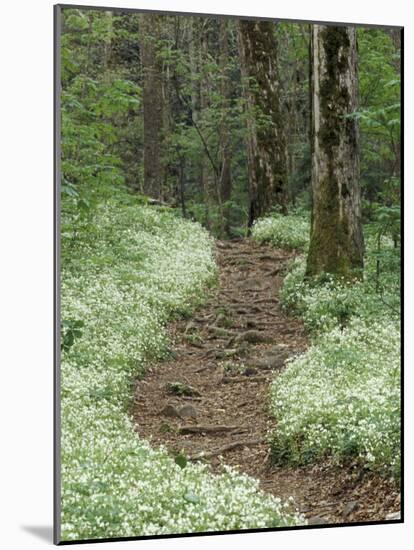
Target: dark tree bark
x: 224, y: 133
x: 208, y: 177
x: 150, y: 29
x: 267, y: 162
x: 336, y: 244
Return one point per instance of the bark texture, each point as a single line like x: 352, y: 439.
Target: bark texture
x: 207, y: 182
x: 336, y: 244
x: 267, y: 159
x: 152, y: 95
x: 225, y: 142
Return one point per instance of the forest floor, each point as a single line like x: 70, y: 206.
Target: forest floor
x: 209, y: 400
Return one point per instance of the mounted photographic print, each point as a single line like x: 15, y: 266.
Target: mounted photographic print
x: 228, y: 242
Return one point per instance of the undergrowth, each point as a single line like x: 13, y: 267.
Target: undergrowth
x: 126, y: 271
x: 291, y: 231
x: 341, y: 398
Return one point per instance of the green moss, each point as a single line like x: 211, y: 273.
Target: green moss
x: 334, y: 98
x: 331, y: 249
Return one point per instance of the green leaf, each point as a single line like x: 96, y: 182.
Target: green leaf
x: 181, y: 460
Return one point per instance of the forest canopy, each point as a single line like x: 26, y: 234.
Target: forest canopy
x: 172, y: 107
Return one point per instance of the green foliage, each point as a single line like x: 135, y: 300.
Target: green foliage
x: 70, y: 331
x: 290, y: 231
x: 192, y: 148
x: 379, y: 113
x: 97, y: 105
x: 328, y: 302
x: 293, y: 58
x: 181, y: 461
x: 101, y: 108
x: 177, y: 388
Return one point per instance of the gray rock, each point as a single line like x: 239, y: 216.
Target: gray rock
x: 252, y: 284
x: 269, y: 362
x: 393, y: 516
x: 252, y: 336
x: 317, y: 520
x: 185, y: 445
x: 188, y: 411
x: 349, y: 508
x: 170, y: 411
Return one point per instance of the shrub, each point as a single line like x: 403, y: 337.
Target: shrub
x: 290, y: 231
x: 334, y: 302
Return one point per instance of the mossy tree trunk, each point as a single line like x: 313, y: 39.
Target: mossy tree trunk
x: 150, y: 30
x: 336, y: 243
x: 267, y: 158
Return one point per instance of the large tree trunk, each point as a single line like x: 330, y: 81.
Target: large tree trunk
x: 150, y: 29
x: 224, y: 133
x: 267, y: 161
x: 336, y: 244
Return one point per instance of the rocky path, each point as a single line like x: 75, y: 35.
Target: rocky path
x: 210, y: 400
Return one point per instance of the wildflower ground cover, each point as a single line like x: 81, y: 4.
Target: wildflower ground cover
x: 125, y: 272
x: 290, y: 231
x: 341, y: 398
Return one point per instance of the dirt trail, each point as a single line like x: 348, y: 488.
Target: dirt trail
x: 211, y: 397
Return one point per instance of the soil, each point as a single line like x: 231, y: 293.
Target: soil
x: 209, y: 401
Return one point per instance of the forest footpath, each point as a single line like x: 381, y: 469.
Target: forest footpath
x: 209, y: 401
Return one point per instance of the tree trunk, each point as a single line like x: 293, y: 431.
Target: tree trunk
x: 107, y: 43
x: 267, y: 163
x: 153, y: 104
x: 195, y: 57
x: 336, y: 244
x: 207, y: 181
x: 224, y: 134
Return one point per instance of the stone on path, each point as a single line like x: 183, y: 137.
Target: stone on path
x: 170, y: 411
x: 349, y: 508
x: 187, y: 411
x: 317, y: 520
x: 393, y: 516
x: 252, y: 336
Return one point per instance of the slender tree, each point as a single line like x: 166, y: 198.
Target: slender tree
x: 152, y: 103
x: 267, y: 163
x: 336, y: 244
x: 224, y: 131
